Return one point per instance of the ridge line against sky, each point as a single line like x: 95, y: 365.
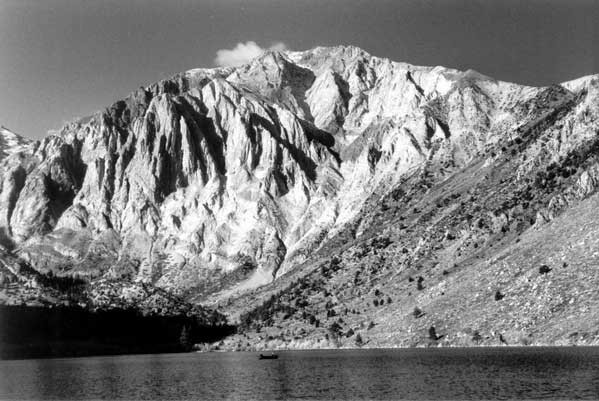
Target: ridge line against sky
x: 60, y: 59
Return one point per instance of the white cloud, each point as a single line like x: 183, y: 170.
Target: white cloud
x: 243, y: 52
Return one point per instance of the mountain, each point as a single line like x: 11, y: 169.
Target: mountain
x: 318, y: 195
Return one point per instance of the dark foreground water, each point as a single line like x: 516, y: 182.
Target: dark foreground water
x: 479, y: 373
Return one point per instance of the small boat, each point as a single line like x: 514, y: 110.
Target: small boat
x: 271, y: 356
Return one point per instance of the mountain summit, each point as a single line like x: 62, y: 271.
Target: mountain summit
x: 320, y: 176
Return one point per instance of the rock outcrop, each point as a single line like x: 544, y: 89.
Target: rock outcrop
x: 11, y: 143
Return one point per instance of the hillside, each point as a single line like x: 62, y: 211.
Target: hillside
x: 323, y: 194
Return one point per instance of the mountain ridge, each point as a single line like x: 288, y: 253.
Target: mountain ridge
x: 219, y: 184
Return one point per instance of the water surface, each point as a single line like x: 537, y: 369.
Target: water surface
x: 476, y: 373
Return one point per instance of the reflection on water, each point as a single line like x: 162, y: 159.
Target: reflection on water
x: 480, y: 373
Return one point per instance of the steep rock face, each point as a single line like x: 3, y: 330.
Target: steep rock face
x: 215, y: 182
x: 215, y: 177
x: 13, y: 180
x: 11, y: 143
x: 491, y: 240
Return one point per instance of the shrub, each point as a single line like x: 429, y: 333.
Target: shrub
x: 544, y: 269
x: 499, y: 296
x: 388, y: 300
x: 334, y: 328
x: 476, y: 337
x: 359, y: 342
x: 417, y: 312
x: 381, y: 242
x: 375, y: 302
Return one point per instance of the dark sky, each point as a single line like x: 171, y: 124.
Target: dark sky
x: 60, y: 59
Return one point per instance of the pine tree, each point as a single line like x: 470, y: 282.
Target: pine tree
x: 432, y: 334
x: 359, y: 341
x: 185, y: 339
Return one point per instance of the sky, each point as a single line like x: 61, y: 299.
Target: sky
x: 62, y: 59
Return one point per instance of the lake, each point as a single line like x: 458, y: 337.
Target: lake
x: 448, y: 373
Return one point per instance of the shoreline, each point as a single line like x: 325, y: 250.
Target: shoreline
x: 400, y: 347
x: 173, y: 352
x: 396, y: 348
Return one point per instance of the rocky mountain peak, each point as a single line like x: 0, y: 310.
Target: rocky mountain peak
x: 217, y: 183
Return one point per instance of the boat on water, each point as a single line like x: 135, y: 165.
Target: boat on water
x: 271, y: 356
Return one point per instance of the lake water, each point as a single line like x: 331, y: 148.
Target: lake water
x: 477, y: 373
